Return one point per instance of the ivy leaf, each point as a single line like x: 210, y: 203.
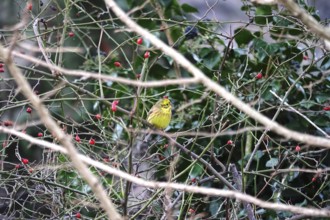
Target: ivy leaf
x: 243, y: 36
x: 258, y: 155
x: 197, y: 170
x: 263, y: 14
x: 188, y: 8
x: 272, y: 162
x: 293, y: 175
x: 210, y: 57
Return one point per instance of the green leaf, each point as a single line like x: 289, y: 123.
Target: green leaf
x: 259, y: 46
x: 321, y: 98
x: 166, y: 3
x: 196, y: 170
x: 322, y: 121
x: 307, y: 104
x: 293, y: 175
x: 325, y: 65
x: 188, y: 8
x: 246, y: 8
x: 263, y: 14
x: 265, y: 49
x: 196, y: 58
x: 243, y: 36
x: 295, y: 31
x: 214, y: 206
x: 272, y: 162
x: 210, y: 57
x: 176, y: 33
x: 258, y: 155
x: 172, y: 9
x: 267, y: 95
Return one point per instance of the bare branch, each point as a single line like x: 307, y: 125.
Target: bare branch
x: 41, y: 47
x: 200, y: 76
x: 86, y: 75
x: 177, y: 186
x: 307, y: 19
x: 60, y: 135
x: 297, y: 112
x: 265, y: 2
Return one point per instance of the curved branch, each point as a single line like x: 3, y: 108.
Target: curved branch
x: 85, y: 74
x: 308, y: 20
x: 47, y: 120
x: 221, y: 91
x: 177, y: 186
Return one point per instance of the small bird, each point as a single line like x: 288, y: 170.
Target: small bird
x: 160, y: 114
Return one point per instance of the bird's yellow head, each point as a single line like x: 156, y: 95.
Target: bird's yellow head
x: 165, y: 104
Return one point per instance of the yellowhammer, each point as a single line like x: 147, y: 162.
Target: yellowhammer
x: 160, y: 113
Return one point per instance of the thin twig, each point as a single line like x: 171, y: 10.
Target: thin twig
x: 177, y: 186
x: 307, y: 19
x: 60, y: 135
x: 237, y: 178
x: 201, y: 77
x: 86, y: 75
x: 307, y: 119
x: 41, y: 47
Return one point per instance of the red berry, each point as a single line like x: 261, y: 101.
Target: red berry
x: 139, y: 41
x: 92, y: 141
x: 305, y: 57
x: 114, y: 105
x: 17, y: 166
x: 259, y: 76
x: 193, y: 180
x: 229, y: 142
x: 138, y: 76
x: 78, y: 215
x: 191, y: 211
x: 8, y: 123
x: 77, y: 138
x: 1, y: 65
x: 117, y: 64
x: 2, y: 70
x: 146, y: 54
x: 71, y: 34
x: 29, y: 110
x: 297, y: 148
x: 40, y: 134
x: 98, y: 116
x: 313, y: 179
x: 29, y: 6
x: 25, y: 161
x: 326, y: 108
x: 161, y: 157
